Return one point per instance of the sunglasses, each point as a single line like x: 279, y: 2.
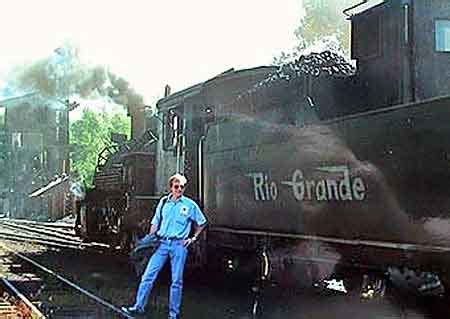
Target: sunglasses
x: 178, y: 186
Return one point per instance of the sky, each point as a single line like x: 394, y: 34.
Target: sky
x: 152, y: 43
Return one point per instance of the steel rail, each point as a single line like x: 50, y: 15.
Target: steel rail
x: 68, y: 282
x: 47, y: 228
x: 31, y: 234
x: 36, y: 236
x: 35, y: 312
x: 41, y: 231
x: 26, y: 239
x: 48, y: 241
x: 32, y: 222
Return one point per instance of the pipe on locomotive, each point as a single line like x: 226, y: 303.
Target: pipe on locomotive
x: 180, y: 138
x: 200, y: 168
x: 210, y: 117
x: 180, y: 143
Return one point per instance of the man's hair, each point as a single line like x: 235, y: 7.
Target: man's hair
x: 177, y: 177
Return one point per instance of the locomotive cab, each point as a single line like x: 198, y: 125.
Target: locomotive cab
x: 402, y: 49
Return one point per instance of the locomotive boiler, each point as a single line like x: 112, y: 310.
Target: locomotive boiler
x: 314, y: 162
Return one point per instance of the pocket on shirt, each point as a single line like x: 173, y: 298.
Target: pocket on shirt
x: 181, y: 220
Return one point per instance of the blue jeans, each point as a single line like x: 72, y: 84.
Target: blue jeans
x: 177, y: 253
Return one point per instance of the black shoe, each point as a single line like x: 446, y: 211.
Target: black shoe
x: 131, y: 311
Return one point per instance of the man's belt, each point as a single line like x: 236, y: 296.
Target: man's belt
x: 169, y: 238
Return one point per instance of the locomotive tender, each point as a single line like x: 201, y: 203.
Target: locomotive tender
x: 307, y: 163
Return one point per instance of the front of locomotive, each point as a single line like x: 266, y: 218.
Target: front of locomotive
x: 305, y: 198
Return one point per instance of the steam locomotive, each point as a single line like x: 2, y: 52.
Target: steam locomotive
x: 312, y: 163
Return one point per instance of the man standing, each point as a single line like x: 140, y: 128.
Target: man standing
x: 172, y: 224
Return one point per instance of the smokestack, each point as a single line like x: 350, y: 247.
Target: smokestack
x: 167, y: 90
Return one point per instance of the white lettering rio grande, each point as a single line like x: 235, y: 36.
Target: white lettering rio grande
x: 264, y: 189
x: 342, y: 188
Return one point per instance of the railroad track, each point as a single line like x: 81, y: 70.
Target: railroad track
x: 41, y: 230
x: 54, y: 225
x: 57, y: 230
x: 14, y: 304
x: 52, y: 281
x: 44, y: 235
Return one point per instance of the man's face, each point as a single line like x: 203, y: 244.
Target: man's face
x: 176, y: 189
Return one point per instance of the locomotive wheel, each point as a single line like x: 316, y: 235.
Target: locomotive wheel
x: 128, y: 241
x: 124, y: 242
x: 122, y: 238
x: 134, y: 238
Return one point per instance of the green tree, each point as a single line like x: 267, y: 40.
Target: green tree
x: 324, y: 18
x: 89, y: 136
x: 323, y: 21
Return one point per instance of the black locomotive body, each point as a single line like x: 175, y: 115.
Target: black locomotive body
x: 308, y: 163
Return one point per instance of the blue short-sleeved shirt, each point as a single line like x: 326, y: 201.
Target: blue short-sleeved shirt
x: 177, y: 217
